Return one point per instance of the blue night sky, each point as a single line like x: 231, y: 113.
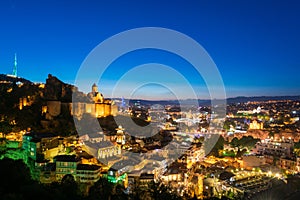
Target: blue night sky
x: 254, y: 43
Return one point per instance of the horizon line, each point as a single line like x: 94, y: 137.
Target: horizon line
x: 180, y: 99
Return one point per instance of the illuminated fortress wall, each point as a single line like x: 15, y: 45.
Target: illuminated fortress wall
x: 98, y: 106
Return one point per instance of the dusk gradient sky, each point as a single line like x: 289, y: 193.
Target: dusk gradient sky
x: 254, y: 43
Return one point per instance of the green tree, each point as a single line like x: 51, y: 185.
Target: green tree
x: 14, y: 174
x: 234, y: 142
x: 102, y: 189
x: 161, y: 191
x: 218, y: 147
x: 227, y: 125
x: 69, y: 187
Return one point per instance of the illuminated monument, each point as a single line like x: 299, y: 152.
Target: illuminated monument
x: 58, y: 97
x: 15, y: 73
x: 102, y: 107
x: 256, y: 125
x: 97, y: 105
x: 15, y: 70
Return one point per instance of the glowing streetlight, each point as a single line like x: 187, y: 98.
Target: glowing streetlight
x: 269, y: 173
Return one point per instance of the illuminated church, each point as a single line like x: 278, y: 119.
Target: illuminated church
x: 100, y: 107
x: 256, y: 125
x: 94, y: 103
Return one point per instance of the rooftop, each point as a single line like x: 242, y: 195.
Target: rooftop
x: 65, y: 158
x: 147, y: 176
x: 88, y: 167
x: 40, y: 135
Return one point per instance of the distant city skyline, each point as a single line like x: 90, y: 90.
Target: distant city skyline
x: 254, y: 44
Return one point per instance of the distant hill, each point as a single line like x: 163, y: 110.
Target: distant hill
x: 11, y: 79
x: 169, y: 102
x: 208, y: 102
x: 262, y: 98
